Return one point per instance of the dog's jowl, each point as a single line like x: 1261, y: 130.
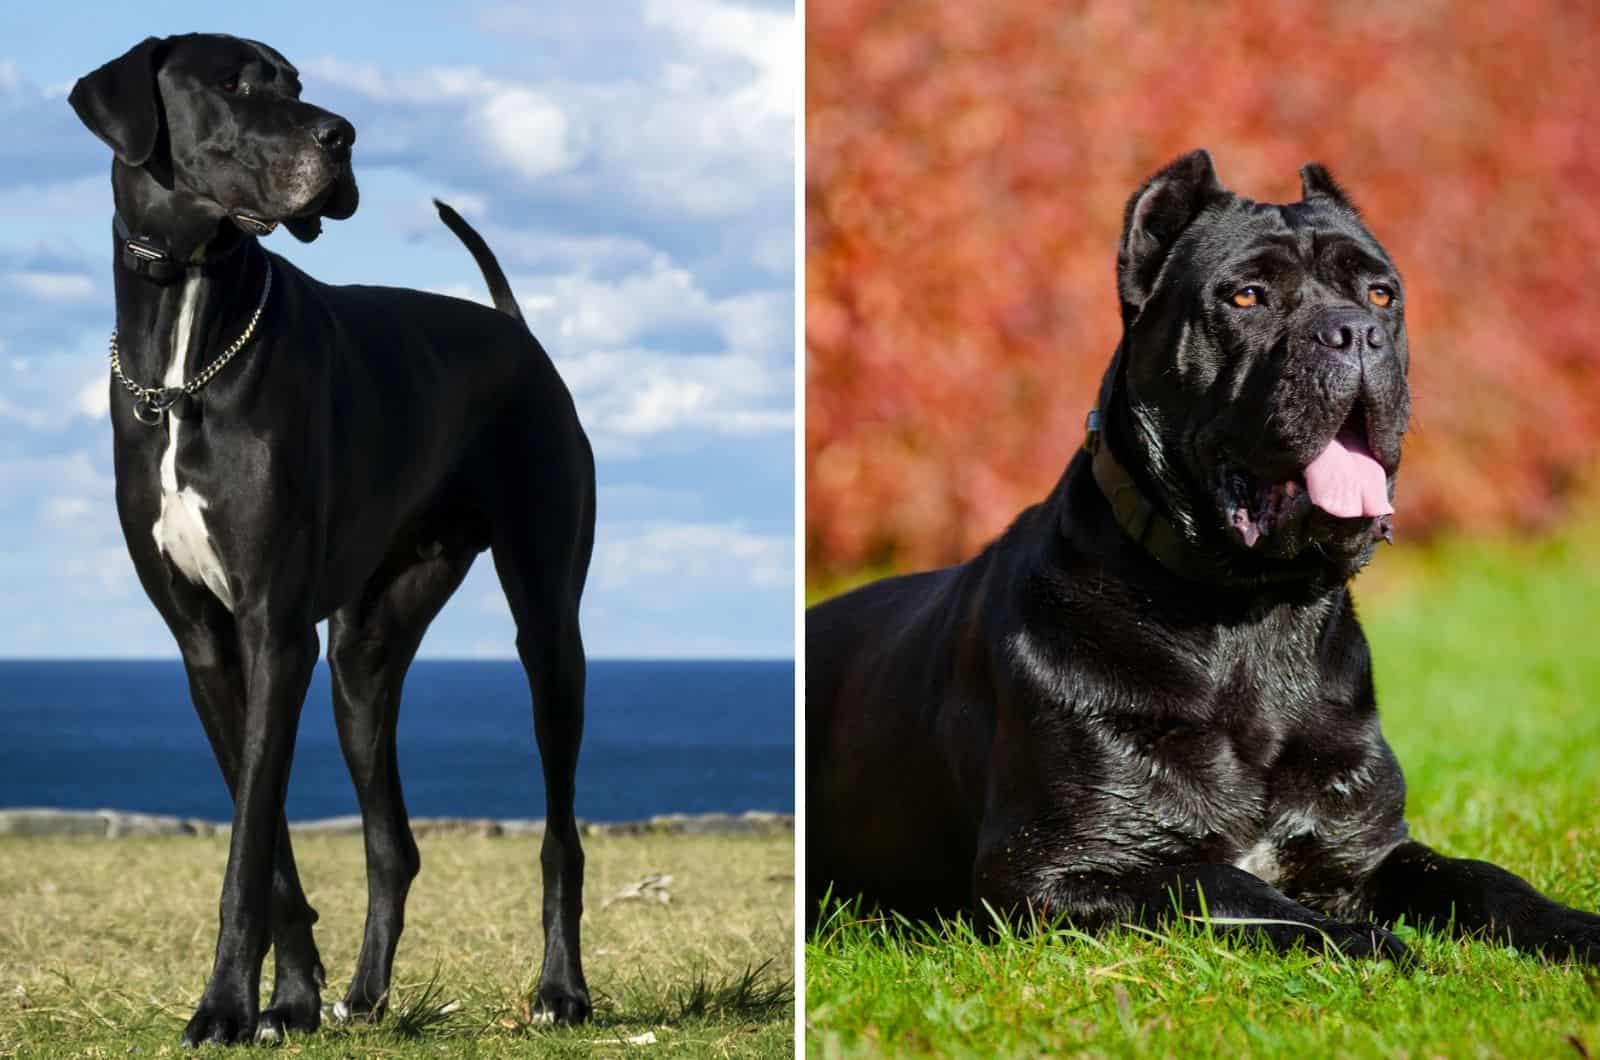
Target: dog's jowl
x: 1150, y: 696
x: 288, y: 451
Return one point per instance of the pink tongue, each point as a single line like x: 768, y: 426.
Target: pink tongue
x: 1345, y: 480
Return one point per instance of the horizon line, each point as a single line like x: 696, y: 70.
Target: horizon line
x: 424, y: 658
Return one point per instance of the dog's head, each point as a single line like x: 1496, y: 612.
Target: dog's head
x: 218, y: 121
x: 1261, y: 383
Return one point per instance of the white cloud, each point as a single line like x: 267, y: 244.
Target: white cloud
x: 23, y: 479
x: 109, y: 570
x: 600, y: 333
x: 632, y: 166
x: 428, y: 85
x: 759, y: 322
x: 528, y: 132
x: 64, y: 511
x: 629, y: 501
x: 634, y: 393
x: 50, y: 286
x: 720, y: 553
x: 93, y: 399
x: 534, y: 248
x: 589, y: 312
x: 64, y: 200
x: 520, y: 127
x: 34, y: 418
x: 630, y: 392
x: 50, y: 391
x: 763, y: 39
x: 706, y: 126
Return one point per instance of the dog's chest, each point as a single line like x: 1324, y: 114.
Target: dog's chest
x: 180, y: 528
x: 1201, y: 776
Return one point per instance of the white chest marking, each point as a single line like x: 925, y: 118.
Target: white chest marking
x: 180, y: 529
x: 1261, y: 861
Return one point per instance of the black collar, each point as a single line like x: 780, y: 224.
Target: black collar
x: 143, y: 255
x: 1140, y: 519
x: 149, y: 257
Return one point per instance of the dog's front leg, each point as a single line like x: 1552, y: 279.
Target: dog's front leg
x: 210, y: 655
x: 1475, y: 897
x: 277, y: 666
x: 1231, y: 900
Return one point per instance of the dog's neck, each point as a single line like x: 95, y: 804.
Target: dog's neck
x: 188, y: 228
x: 1112, y: 431
x: 1168, y: 539
x: 210, y: 286
x: 1140, y: 519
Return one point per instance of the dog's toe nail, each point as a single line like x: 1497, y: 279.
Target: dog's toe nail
x: 341, y: 1011
x: 544, y: 1015
x: 268, y: 1032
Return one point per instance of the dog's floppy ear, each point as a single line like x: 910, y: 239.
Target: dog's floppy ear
x: 1156, y: 215
x: 1317, y: 183
x: 119, y: 102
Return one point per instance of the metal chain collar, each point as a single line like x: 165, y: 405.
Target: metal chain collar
x: 151, y: 403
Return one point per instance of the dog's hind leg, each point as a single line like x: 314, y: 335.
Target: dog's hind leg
x: 209, y: 645
x: 370, y: 646
x: 543, y: 538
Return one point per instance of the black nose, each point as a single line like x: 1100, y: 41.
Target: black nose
x: 1347, y: 329
x: 335, y: 135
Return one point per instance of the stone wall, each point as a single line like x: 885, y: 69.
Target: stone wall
x: 114, y: 823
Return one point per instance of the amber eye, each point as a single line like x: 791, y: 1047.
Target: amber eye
x: 1379, y: 295
x: 1249, y: 297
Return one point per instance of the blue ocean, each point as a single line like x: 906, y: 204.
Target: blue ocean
x: 660, y: 737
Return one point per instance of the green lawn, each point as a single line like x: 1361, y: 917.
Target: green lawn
x: 1488, y: 673
x: 105, y: 945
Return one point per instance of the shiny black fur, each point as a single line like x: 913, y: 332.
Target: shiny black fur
x: 1066, y: 725
x: 354, y: 459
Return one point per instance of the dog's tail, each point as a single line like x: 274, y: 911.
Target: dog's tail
x: 499, y: 289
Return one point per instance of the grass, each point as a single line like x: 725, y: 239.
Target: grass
x: 1488, y: 674
x: 105, y: 946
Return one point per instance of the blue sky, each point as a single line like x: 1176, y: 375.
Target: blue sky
x: 631, y: 163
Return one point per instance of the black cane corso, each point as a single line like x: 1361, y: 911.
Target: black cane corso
x: 1151, y: 695
x: 287, y: 452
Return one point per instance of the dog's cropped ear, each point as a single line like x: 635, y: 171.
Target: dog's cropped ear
x: 119, y: 102
x: 1317, y: 183
x: 1156, y: 215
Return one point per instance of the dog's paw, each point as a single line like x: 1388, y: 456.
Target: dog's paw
x: 355, y: 1009
x: 296, y: 1006
x: 561, y: 1006
x: 221, y: 1021
x: 300, y: 1015
x: 1368, y: 942
x: 365, y: 1001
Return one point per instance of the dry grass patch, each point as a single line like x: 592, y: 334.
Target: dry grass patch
x: 105, y: 946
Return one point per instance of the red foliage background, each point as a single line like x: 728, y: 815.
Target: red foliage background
x: 967, y: 165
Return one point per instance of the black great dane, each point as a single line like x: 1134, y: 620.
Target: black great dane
x: 286, y: 452
x: 1151, y: 695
